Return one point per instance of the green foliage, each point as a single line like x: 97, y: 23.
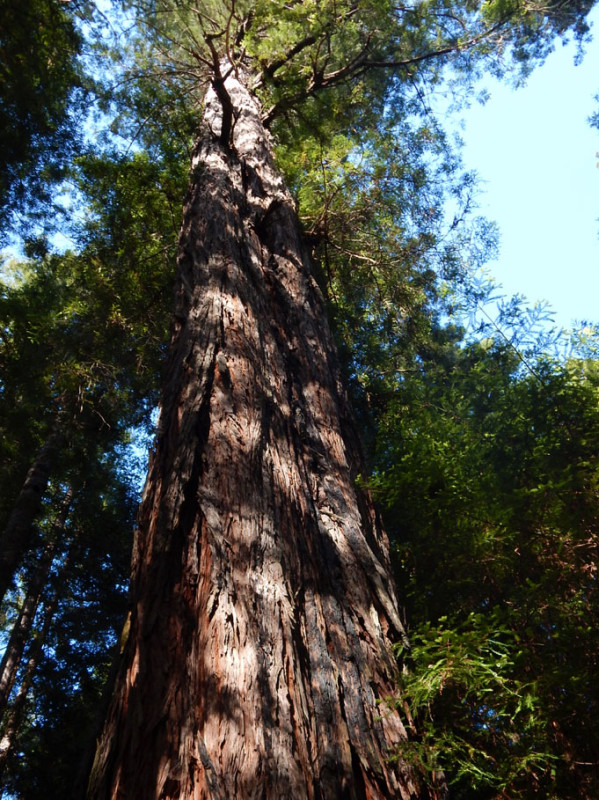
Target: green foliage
x: 64, y: 350
x: 81, y: 611
x: 83, y: 335
x: 79, y: 341
x: 489, y: 476
x: 82, y: 338
x: 536, y: 24
x: 461, y: 679
x: 40, y: 79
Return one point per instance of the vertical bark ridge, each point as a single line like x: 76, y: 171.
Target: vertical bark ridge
x: 259, y: 645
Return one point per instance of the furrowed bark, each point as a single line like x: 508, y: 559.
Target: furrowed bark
x: 263, y: 610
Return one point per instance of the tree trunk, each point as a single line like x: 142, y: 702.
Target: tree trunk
x: 16, y: 539
x: 12, y: 719
x: 263, y: 616
x: 37, y: 585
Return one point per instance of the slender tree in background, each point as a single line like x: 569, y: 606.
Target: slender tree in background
x: 263, y: 612
x: 49, y: 722
x: 22, y: 628
x: 58, y: 405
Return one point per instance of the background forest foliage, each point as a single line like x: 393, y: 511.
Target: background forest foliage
x: 480, y: 424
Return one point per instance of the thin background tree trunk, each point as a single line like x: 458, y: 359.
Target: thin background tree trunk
x: 16, y: 539
x: 14, y: 714
x: 37, y: 585
x: 263, y: 609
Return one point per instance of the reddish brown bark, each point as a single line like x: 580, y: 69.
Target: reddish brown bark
x: 260, y: 638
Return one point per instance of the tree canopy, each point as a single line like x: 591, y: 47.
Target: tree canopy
x: 40, y: 84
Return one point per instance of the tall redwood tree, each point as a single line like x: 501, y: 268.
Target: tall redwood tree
x: 259, y: 646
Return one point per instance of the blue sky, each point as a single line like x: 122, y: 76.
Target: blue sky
x: 535, y: 152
